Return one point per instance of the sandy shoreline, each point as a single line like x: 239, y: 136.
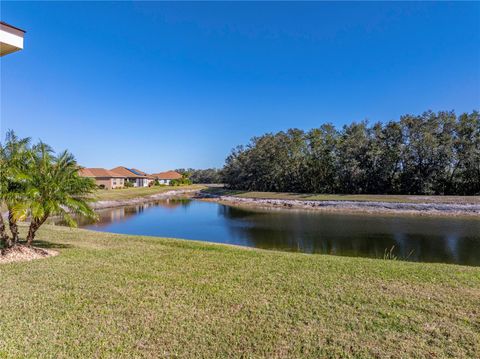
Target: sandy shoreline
x: 368, y: 207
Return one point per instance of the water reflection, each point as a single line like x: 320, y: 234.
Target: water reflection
x: 449, y: 240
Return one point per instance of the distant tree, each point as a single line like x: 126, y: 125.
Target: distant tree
x: 387, y: 166
x: 208, y: 175
x: 235, y: 171
x: 427, y: 152
x: 353, y: 163
x: 465, y: 172
x: 320, y: 162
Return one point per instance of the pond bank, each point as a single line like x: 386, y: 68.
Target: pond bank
x: 347, y: 206
x: 102, y: 204
x: 430, y: 208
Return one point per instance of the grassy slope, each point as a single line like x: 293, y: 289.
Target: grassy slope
x: 348, y: 197
x: 116, y: 296
x: 129, y: 193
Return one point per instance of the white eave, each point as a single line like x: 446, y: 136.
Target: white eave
x: 11, y: 38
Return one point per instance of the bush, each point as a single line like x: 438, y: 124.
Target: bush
x: 181, y: 182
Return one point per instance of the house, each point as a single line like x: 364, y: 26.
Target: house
x: 134, y: 176
x: 11, y: 38
x: 103, y: 177
x: 166, y: 177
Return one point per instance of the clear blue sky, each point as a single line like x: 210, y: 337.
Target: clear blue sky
x: 160, y: 85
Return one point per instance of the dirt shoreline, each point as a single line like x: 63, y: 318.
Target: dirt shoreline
x: 367, y: 207
x: 146, y: 199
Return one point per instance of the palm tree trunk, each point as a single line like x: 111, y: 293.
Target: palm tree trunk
x: 32, y: 230
x: 13, y: 228
x: 4, y: 238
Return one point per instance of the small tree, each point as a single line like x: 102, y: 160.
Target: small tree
x: 14, y: 154
x: 54, y: 187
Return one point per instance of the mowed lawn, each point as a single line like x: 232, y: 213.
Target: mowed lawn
x: 137, y: 192
x: 347, y: 197
x: 118, y: 296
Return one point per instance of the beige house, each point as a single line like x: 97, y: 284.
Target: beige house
x: 166, y: 177
x: 103, y: 177
x: 11, y: 38
x: 134, y: 176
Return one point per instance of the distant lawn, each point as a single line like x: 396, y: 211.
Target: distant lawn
x: 135, y: 192
x: 348, y: 197
x: 118, y: 296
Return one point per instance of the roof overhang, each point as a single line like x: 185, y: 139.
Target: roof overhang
x: 11, y: 38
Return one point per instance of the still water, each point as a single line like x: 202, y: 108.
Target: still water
x: 447, y: 240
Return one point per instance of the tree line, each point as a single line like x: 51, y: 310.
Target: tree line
x: 36, y: 183
x: 208, y: 175
x: 431, y: 153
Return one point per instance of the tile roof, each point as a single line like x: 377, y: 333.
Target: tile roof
x: 127, y: 172
x: 167, y: 175
x: 97, y: 172
x: 134, y: 170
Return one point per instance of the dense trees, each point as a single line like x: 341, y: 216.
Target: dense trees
x: 35, y: 184
x: 209, y: 175
x: 433, y: 153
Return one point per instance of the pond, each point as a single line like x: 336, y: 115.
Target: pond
x: 426, y: 239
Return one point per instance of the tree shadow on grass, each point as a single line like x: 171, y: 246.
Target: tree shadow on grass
x: 50, y: 245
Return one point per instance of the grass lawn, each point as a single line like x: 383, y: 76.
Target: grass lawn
x: 116, y: 296
x: 348, y: 197
x: 136, y: 192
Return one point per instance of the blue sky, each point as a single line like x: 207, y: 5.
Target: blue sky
x: 165, y: 85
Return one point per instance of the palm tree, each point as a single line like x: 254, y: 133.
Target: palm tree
x: 14, y: 154
x: 54, y: 187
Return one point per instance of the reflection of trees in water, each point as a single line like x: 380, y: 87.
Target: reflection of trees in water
x: 230, y: 212
x: 123, y: 213
x: 466, y: 249
x: 413, y: 239
x: 118, y: 214
x: 172, y: 203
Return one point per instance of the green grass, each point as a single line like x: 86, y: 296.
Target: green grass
x: 136, y: 192
x: 347, y: 197
x: 118, y: 296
